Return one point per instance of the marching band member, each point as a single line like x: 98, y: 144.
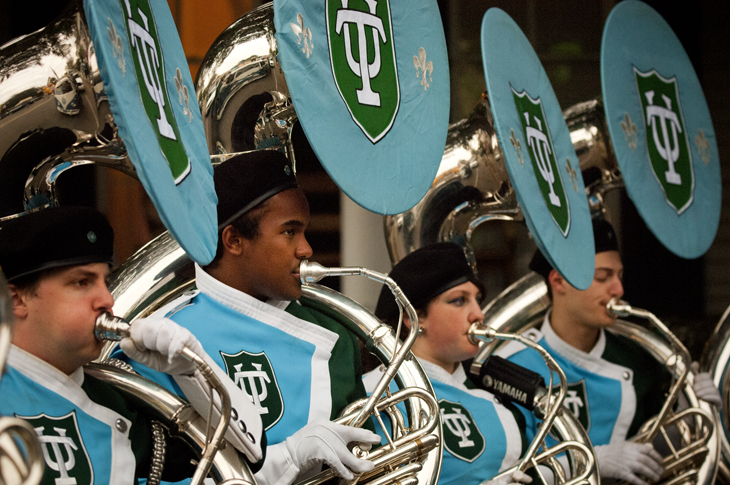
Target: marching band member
x: 614, y: 385
x: 481, y: 436
x: 299, y: 367
x: 57, y: 263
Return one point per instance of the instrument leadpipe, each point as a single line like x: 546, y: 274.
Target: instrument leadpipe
x: 111, y: 328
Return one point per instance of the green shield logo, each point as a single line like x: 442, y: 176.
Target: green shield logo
x: 149, y: 68
x: 576, y: 400
x: 64, y: 452
x: 666, y: 138
x: 542, y: 153
x: 461, y: 435
x: 362, y: 57
x: 254, y: 374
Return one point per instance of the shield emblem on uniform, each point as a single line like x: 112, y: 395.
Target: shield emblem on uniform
x: 542, y: 154
x: 666, y: 137
x: 64, y: 451
x: 576, y: 400
x: 462, y: 437
x: 362, y: 57
x: 254, y: 374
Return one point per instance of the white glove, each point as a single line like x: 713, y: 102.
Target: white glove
x: 325, y: 441
x: 516, y: 478
x: 629, y: 461
x: 704, y: 388
x: 157, y: 343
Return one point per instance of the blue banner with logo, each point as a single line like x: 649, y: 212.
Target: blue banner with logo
x: 538, y: 152
x: 370, y: 85
x: 153, y: 101
x: 661, y: 129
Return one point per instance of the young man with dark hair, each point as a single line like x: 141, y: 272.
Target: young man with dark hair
x: 614, y: 385
x: 299, y: 367
x: 57, y: 265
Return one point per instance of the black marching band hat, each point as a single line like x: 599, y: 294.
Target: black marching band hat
x: 425, y: 274
x: 246, y: 180
x: 53, y: 238
x: 603, y: 235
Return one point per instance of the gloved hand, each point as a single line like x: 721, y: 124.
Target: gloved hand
x: 157, y: 343
x: 629, y: 461
x: 516, y: 478
x: 325, y: 441
x: 704, y: 387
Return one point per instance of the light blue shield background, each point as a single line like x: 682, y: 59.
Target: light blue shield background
x: 509, y: 60
x: 393, y: 175
x: 636, y: 36
x: 188, y: 209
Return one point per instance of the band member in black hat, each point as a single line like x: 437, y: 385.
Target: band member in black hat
x: 615, y: 386
x: 57, y: 263
x: 299, y: 367
x: 481, y: 436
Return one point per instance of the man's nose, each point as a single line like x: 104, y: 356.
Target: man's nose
x: 304, y: 250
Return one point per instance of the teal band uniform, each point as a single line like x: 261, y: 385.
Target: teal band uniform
x: 296, y: 364
x: 89, y: 433
x: 481, y: 437
x: 612, y: 390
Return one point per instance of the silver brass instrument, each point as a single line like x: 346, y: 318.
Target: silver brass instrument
x: 161, y: 271
x: 523, y: 306
x: 21, y: 457
x: 715, y: 360
x: 52, y: 96
x: 243, y: 96
x: 112, y: 329
x: 549, y: 405
x: 700, y: 444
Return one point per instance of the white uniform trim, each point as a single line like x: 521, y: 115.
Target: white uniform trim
x: 506, y: 418
x: 593, y: 363
x: 123, y: 463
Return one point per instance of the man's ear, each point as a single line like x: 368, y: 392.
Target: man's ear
x: 557, y: 282
x: 232, y: 240
x: 20, y: 308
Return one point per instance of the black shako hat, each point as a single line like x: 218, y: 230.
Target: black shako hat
x: 425, y: 274
x: 603, y: 235
x: 246, y: 180
x: 53, y: 238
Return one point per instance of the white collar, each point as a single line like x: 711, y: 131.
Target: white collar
x: 24, y: 360
x: 438, y: 373
x: 231, y: 297
x: 568, y: 350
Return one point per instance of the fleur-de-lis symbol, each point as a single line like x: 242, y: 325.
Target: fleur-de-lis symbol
x: 703, y: 145
x: 183, y: 95
x: 426, y: 67
x: 571, y: 173
x: 629, y: 131
x: 518, y: 146
x: 118, y: 51
x: 304, y: 35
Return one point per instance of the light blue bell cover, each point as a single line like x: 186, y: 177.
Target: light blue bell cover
x: 538, y: 152
x: 153, y: 101
x: 370, y: 84
x: 661, y: 129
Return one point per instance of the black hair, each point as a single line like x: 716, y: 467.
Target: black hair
x: 247, y: 226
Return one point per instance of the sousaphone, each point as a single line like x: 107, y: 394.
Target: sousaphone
x: 108, y: 84
x: 593, y: 125
x: 259, y: 78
